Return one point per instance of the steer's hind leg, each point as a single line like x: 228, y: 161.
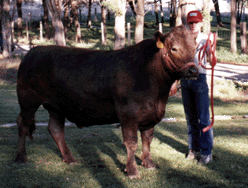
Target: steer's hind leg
x: 147, y: 136
x: 56, y: 128
x: 26, y: 125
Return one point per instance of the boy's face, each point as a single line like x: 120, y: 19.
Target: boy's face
x: 195, y: 27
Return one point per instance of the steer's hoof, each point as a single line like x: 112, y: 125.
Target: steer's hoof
x: 70, y: 160
x: 134, y: 176
x: 21, y: 158
x: 149, y: 165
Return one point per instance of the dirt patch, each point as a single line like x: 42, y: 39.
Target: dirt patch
x: 8, y: 71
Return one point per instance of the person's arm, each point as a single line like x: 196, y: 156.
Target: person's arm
x: 208, y: 53
x: 173, y: 89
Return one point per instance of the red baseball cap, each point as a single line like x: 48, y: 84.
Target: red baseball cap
x: 194, y: 16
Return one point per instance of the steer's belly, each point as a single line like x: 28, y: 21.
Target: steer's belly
x: 87, y: 112
x: 87, y: 117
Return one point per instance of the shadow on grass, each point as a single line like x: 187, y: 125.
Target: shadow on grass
x: 8, y: 75
x: 95, y: 149
x: 39, y: 170
x: 230, y: 167
x: 182, y: 148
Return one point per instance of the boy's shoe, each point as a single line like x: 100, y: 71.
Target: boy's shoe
x: 206, y: 159
x: 193, y: 155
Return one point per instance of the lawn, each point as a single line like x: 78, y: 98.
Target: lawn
x: 102, y: 159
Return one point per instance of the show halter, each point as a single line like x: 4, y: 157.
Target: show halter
x: 169, y: 61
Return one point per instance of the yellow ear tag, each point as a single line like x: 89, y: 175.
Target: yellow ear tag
x: 159, y: 44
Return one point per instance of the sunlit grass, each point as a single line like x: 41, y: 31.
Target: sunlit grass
x: 224, y: 55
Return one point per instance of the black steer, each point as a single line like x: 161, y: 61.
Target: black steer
x: 91, y: 87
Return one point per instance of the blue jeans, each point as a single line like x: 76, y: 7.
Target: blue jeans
x: 196, y: 107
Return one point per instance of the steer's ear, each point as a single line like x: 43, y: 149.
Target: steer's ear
x: 158, y: 36
x: 159, y: 44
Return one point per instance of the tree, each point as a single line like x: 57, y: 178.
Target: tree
x: 6, y: 27
x: 206, y: 16
x: 173, y: 14
x: 19, y: 19
x: 233, y: 27
x: 67, y: 4
x: 132, y: 6
x: 217, y: 12
x: 45, y: 19
x: 156, y: 12
x: 161, y: 12
x: 55, y: 10
x: 104, y: 29
x: 184, y: 7
x: 139, y: 28
x: 240, y: 5
x: 74, y: 11
x: 89, y: 14
x: 120, y: 13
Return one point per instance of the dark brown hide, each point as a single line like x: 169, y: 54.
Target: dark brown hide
x: 130, y: 86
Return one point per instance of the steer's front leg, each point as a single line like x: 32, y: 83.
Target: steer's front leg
x: 147, y: 136
x: 130, y: 141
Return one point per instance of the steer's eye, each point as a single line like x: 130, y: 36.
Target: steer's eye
x: 173, y: 50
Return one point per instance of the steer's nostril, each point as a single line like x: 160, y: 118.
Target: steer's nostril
x: 192, y: 70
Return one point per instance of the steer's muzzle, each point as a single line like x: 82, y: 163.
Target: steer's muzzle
x: 190, y: 71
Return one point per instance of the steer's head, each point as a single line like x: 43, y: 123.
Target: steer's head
x: 178, y: 50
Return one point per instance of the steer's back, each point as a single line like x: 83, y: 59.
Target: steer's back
x: 76, y: 82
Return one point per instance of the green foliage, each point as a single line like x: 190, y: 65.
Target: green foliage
x: 113, y: 6
x: 206, y: 16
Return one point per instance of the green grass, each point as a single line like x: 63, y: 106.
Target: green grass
x: 102, y: 159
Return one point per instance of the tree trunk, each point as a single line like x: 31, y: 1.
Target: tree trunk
x: 66, y: 19
x: 238, y: 11
x: 240, y: 6
x: 119, y: 41
x: 233, y: 27
x: 67, y: 5
x: 161, y: 13
x: 89, y: 14
x: 45, y: 19
x: 179, y: 16
x: 132, y: 6
x: 54, y: 7
x: 186, y: 6
x: 217, y: 12
x: 19, y: 19
x: 139, y: 28
x: 6, y: 28
x: 156, y: 12
x: 74, y: 7
x: 243, y: 38
x: 206, y: 14
x: 173, y: 13
x: 104, y: 30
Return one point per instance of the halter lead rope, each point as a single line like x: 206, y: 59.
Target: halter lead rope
x: 211, y: 48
